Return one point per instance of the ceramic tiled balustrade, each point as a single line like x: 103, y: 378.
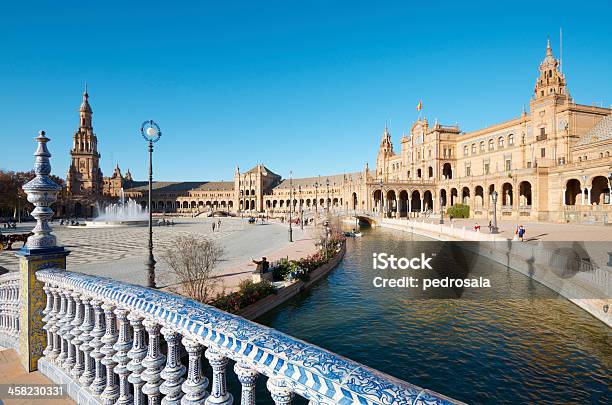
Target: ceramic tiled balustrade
x: 104, y: 340
x: 9, y: 310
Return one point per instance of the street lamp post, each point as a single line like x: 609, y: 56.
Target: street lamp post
x: 381, y: 199
x: 327, y: 197
x: 441, y: 210
x: 151, y: 133
x: 301, y: 210
x: 316, y: 204
x: 290, y: 205
x: 610, y: 187
x: 494, y: 228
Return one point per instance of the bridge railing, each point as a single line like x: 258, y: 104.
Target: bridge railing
x: 104, y: 339
x: 9, y: 310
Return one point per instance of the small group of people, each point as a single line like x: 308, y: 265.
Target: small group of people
x: 519, y: 233
x: 216, y: 225
x: 163, y: 222
x: 72, y: 222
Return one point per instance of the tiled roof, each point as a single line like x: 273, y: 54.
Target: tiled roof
x: 600, y: 132
x: 166, y: 185
x: 334, y: 180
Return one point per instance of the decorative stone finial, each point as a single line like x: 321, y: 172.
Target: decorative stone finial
x: 42, y: 192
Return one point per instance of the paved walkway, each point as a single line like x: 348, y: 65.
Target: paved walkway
x: 546, y: 231
x: 120, y: 252
x: 11, y: 372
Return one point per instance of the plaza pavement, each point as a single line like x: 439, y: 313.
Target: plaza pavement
x: 120, y: 252
x: 535, y: 231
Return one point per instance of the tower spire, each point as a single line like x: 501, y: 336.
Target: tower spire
x: 548, y: 48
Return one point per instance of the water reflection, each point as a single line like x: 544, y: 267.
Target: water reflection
x: 516, y: 343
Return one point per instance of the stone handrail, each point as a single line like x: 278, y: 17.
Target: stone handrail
x: 9, y: 310
x: 100, y: 360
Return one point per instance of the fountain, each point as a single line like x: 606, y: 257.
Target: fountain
x: 125, y: 212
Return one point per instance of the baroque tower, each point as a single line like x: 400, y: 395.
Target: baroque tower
x: 84, y: 175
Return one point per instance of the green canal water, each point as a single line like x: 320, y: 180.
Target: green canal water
x: 516, y: 343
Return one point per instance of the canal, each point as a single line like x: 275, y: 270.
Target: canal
x: 516, y: 342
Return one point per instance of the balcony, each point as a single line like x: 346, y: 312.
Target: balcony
x: 541, y: 137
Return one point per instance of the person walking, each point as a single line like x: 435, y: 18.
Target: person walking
x: 213, y: 226
x: 219, y: 224
x: 521, y: 232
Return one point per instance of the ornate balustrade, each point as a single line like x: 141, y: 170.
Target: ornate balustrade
x: 9, y: 310
x: 105, y: 339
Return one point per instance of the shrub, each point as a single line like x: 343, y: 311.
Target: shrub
x: 248, y: 293
x: 459, y: 211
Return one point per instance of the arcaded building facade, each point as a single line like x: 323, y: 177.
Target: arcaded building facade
x: 551, y: 163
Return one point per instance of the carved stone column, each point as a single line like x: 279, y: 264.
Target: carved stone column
x: 136, y: 354
x: 122, y: 346
x: 195, y: 385
x: 111, y: 391
x: 87, y: 376
x: 76, y: 332
x: 248, y: 378
x: 281, y: 391
x: 218, y: 392
x: 153, y: 363
x: 174, y: 370
x: 99, y: 382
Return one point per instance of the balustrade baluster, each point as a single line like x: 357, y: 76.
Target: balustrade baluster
x: 67, y: 332
x: 99, y: 382
x: 46, y: 317
x: 136, y: 354
x: 122, y: 346
x: 111, y: 392
x: 87, y: 375
x: 76, y: 332
x: 248, y: 379
x: 153, y: 363
x: 53, y: 321
x: 281, y: 391
x: 174, y: 370
x: 14, y: 304
x: 218, y: 392
x: 195, y: 385
x: 61, y: 320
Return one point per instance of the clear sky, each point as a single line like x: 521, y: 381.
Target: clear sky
x: 304, y: 86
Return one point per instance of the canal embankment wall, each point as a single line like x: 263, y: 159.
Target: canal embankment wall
x: 289, y: 291
x: 586, y: 280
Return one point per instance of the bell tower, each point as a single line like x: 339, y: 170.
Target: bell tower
x: 551, y: 81
x: 385, y: 151
x: 84, y: 175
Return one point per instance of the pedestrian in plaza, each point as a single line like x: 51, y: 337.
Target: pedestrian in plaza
x: 219, y: 224
x: 213, y: 226
x: 521, y: 232
x: 490, y: 226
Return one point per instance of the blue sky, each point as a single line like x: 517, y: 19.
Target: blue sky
x: 304, y: 86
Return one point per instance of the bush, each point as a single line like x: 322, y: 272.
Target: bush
x: 248, y: 293
x: 459, y: 211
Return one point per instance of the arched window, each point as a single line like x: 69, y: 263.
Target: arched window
x: 465, y: 150
x: 491, y: 144
x: 482, y: 146
x: 511, y: 139
x: 473, y: 148
x: 500, y: 141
